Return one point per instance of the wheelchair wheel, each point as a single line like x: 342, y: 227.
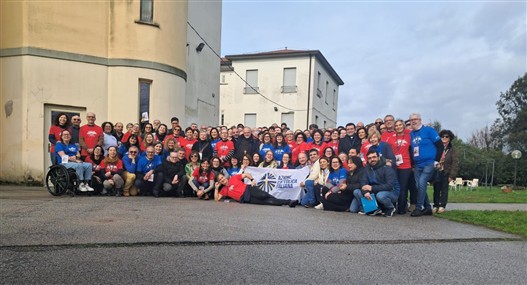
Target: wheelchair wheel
x: 57, y: 180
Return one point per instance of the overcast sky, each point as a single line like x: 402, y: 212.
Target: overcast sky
x: 448, y: 60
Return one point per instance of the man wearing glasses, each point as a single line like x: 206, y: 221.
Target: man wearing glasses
x: 389, y: 121
x: 425, y: 142
x: 130, y: 164
x: 75, y: 128
x: 378, y: 179
x: 148, y: 179
x: 173, y: 171
x: 90, y: 135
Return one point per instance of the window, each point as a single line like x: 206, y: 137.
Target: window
x: 289, y: 119
x: 144, y: 97
x: 327, y: 91
x: 289, y: 80
x: 250, y: 120
x: 251, y: 76
x: 223, y: 80
x: 319, y: 92
x: 147, y: 11
x: 334, y: 98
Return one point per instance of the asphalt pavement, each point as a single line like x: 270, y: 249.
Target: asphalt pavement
x: 144, y: 240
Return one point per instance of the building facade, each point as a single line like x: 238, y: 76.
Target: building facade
x: 118, y: 59
x: 295, y: 87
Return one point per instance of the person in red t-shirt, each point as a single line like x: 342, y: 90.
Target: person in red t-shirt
x: 244, y: 193
x: 224, y: 149
x: 60, y: 123
x: 202, y: 180
x: 111, y: 169
x: 90, y: 135
x: 188, y: 141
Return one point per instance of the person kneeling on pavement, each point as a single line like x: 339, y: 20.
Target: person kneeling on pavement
x: 378, y: 178
x: 237, y: 190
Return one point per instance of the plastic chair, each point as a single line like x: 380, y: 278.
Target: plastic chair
x: 458, y: 183
x: 472, y: 184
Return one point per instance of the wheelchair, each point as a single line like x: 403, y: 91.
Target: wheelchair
x: 61, y: 180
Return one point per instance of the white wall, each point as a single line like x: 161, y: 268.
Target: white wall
x: 203, y: 68
x: 234, y: 103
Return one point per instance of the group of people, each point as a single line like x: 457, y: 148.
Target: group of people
x: 382, y: 161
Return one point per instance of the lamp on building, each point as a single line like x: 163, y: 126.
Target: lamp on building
x: 200, y: 47
x: 276, y: 109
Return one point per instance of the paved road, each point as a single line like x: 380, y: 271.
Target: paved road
x: 45, y: 239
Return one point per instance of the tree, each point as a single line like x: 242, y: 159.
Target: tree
x: 486, y: 139
x: 512, y: 108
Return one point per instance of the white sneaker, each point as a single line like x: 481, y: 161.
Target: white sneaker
x: 82, y: 187
x: 89, y: 188
x: 441, y: 210
x: 319, y: 206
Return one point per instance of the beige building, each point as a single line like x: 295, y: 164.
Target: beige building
x: 297, y: 87
x: 118, y: 59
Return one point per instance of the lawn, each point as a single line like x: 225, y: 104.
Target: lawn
x: 483, y: 195
x: 506, y: 221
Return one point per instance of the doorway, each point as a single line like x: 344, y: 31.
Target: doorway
x: 50, y: 112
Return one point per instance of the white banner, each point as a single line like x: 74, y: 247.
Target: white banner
x: 281, y: 183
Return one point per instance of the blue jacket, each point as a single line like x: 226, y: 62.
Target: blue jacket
x: 380, y: 177
x: 144, y: 165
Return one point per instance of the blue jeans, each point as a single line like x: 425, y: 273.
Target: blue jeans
x: 422, y: 175
x: 385, y: 199
x: 309, y: 197
x: 83, y: 170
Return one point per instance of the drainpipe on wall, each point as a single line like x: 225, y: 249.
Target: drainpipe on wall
x: 309, y: 92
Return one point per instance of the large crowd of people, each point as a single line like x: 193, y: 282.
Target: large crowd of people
x: 382, y: 161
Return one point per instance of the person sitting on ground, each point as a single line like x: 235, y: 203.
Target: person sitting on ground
x: 190, y: 167
x: 237, y: 190
x: 68, y: 155
x: 110, y: 173
x: 149, y: 181
x: 269, y: 161
x: 217, y: 168
x: 379, y: 179
x: 333, y: 193
x: 202, y: 180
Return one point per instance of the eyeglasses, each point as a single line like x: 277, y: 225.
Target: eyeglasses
x: 193, y: 156
x: 133, y: 152
x: 75, y: 119
x: 445, y: 136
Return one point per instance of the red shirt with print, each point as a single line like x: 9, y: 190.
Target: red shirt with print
x: 235, y: 188
x: 91, y: 135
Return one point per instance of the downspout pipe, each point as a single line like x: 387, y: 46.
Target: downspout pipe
x: 309, y: 91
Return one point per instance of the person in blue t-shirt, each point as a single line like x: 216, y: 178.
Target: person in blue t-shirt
x: 148, y: 179
x: 335, y: 182
x: 68, y: 154
x: 424, y: 144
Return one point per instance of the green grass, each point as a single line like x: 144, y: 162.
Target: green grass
x: 483, y: 195
x: 505, y: 221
